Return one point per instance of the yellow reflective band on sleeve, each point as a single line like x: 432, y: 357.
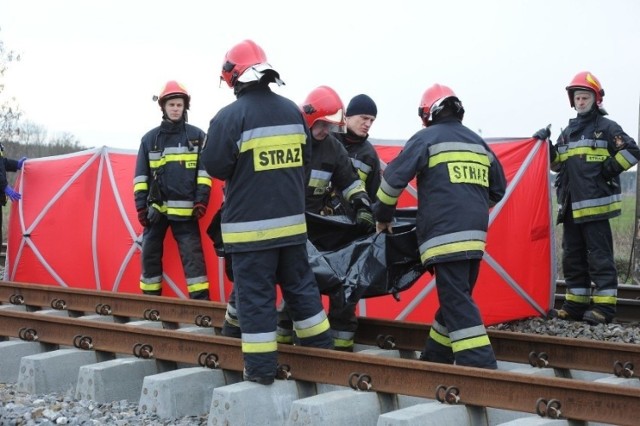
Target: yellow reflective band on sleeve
x: 280, y: 157
x: 362, y: 175
x: 265, y: 234
x: 259, y: 348
x: 142, y: 186
x: 473, y: 343
x: 452, y: 248
x: 620, y: 159
x: 386, y: 199
x: 439, y: 338
x: 203, y: 181
x: 357, y: 190
x: 314, y: 330
x: 472, y: 173
x: 593, y: 211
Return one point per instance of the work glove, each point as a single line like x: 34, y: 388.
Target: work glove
x: 21, y: 162
x: 364, y: 220
x: 199, y: 210
x: 543, y: 134
x: 154, y: 216
x: 13, y: 195
x: 142, y: 217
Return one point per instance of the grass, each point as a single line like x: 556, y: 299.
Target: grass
x: 622, y: 229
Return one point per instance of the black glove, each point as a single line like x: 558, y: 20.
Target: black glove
x: 364, y: 220
x: 543, y: 134
x: 154, y: 216
x: 142, y: 217
x: 199, y: 210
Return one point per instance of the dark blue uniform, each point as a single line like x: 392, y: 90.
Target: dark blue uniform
x: 168, y: 155
x: 459, y: 178
x: 6, y: 165
x: 589, y: 156
x: 259, y: 146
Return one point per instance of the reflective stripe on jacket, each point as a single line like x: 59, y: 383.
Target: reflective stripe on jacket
x: 589, y: 157
x: 459, y: 178
x: 330, y: 166
x: 169, y: 154
x: 260, y: 153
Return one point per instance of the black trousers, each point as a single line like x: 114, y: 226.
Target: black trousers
x: 187, y: 235
x: 587, y: 256
x: 256, y: 275
x: 458, y: 334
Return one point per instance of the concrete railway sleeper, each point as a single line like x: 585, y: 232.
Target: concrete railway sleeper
x: 579, y: 400
x: 555, y: 397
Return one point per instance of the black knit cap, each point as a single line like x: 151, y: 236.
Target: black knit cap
x: 361, y: 105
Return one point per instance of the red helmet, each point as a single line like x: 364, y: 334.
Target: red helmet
x: 586, y: 81
x: 433, y: 102
x: 240, y: 58
x: 172, y: 89
x: 324, y: 104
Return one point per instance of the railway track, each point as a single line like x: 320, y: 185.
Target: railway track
x: 561, y: 397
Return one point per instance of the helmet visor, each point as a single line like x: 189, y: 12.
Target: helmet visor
x: 330, y: 126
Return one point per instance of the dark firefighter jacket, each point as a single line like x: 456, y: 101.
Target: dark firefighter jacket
x: 459, y: 178
x: 589, y: 156
x: 168, y: 155
x: 259, y: 146
x: 364, y: 158
x: 6, y: 165
x: 330, y: 165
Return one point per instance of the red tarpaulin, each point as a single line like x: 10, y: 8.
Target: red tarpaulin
x: 76, y: 226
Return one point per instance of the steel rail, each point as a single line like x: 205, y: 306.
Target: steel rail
x: 548, y: 397
x: 121, y: 305
x: 537, y: 350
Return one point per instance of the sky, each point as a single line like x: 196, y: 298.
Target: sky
x: 91, y: 67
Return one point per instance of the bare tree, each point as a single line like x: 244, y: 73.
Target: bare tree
x: 9, y: 109
x: 31, y: 133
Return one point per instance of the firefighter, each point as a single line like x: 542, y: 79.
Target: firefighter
x: 330, y: 166
x: 171, y: 189
x: 459, y: 180
x: 360, y: 114
x: 330, y: 169
x: 259, y: 145
x: 6, y: 191
x: 589, y: 156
